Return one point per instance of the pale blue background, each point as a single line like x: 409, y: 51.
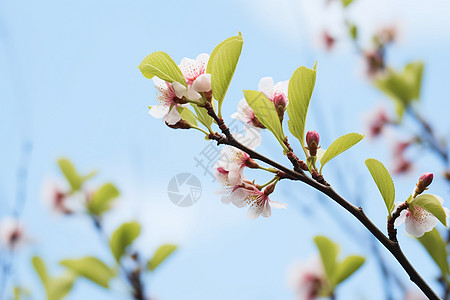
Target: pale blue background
x: 69, y: 84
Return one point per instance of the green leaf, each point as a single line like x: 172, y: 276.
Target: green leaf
x: 102, y: 199
x: 301, y: 86
x: 55, y: 288
x: 353, y: 30
x: 222, y: 64
x: 187, y: 115
x: 40, y: 268
x: 161, y: 65
x: 160, y: 255
x: 71, y: 174
x: 123, y: 237
x: 346, y: 3
x: 328, y: 253
x: 403, y: 87
x: 383, y: 181
x: 90, y: 268
x: 60, y: 287
x: 413, y: 77
x: 202, y: 116
x: 436, y: 247
x: 338, y: 146
x: 350, y: 265
x: 266, y: 113
x: 432, y: 205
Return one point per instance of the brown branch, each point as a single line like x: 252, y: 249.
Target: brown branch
x: 357, y: 212
x: 392, y: 232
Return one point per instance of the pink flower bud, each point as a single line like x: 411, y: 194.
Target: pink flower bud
x: 279, y: 99
x: 427, y: 178
x: 424, y: 181
x: 312, y: 141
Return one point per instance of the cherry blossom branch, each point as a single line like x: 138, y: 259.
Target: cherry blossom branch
x: 357, y: 212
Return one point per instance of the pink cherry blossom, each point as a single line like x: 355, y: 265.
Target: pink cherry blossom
x: 235, y: 160
x: 170, y: 97
x: 418, y: 221
x: 376, y: 121
x: 257, y: 201
x: 374, y: 63
x: 307, y: 279
x: 194, y: 72
x: 246, y: 114
x: 12, y: 234
x: 55, y: 197
x: 277, y: 93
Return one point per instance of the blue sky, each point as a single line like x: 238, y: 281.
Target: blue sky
x: 70, y: 85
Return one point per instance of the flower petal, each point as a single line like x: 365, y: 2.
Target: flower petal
x: 202, y: 83
x: 276, y: 204
x: 401, y: 219
x: 180, y: 90
x: 254, y: 211
x: 267, y: 211
x: 265, y: 85
x: 418, y: 228
x: 158, y: 111
x: 172, y: 117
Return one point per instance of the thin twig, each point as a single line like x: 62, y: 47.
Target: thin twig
x: 357, y: 212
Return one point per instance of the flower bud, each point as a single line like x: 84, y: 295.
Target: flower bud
x: 280, y: 102
x: 312, y: 141
x: 427, y: 178
x: 424, y: 181
x: 269, y: 189
x: 251, y: 163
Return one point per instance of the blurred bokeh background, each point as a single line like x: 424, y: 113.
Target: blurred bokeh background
x: 70, y: 87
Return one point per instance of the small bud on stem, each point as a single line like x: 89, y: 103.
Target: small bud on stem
x: 312, y: 141
x: 424, y: 181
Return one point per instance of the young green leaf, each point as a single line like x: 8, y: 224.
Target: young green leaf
x: 161, y: 65
x: 328, y: 253
x: 71, y: 174
x: 301, y: 86
x: 413, y: 77
x: 338, y: 146
x: 353, y: 30
x: 123, y: 237
x: 266, y: 113
x: 350, y: 265
x: 222, y: 64
x: 432, y: 205
x: 346, y: 3
x: 187, y: 115
x: 91, y: 268
x: 436, y: 247
x: 40, y: 268
x: 383, y: 181
x: 160, y: 255
x: 102, y: 198
x: 55, y: 288
x: 202, y: 116
x: 402, y: 86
